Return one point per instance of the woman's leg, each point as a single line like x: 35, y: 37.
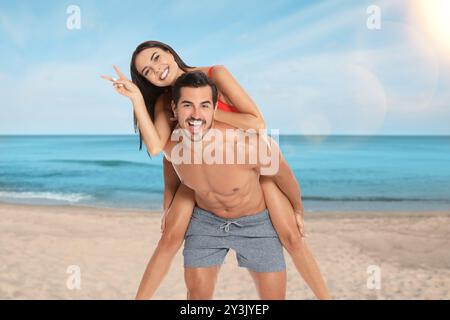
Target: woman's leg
x: 171, y: 183
x: 283, y: 219
x: 177, y: 221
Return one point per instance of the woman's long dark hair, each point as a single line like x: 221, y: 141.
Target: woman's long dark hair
x: 149, y: 91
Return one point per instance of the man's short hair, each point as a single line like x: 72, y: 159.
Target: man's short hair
x: 193, y: 79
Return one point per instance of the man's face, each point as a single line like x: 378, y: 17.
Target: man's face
x: 195, y: 111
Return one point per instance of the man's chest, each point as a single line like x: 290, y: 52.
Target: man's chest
x: 221, y: 179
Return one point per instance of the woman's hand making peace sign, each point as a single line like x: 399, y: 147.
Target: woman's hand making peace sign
x: 124, y: 86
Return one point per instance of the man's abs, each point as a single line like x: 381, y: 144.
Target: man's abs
x: 235, y: 204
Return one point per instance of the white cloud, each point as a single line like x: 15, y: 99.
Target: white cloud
x: 391, y: 78
x: 64, y: 99
x: 355, y: 89
x: 16, y: 28
x: 312, y: 95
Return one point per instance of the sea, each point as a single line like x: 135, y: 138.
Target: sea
x: 336, y: 173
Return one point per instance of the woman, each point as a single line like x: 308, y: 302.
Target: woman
x: 155, y: 66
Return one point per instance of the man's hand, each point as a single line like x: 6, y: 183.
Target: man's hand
x: 299, y: 218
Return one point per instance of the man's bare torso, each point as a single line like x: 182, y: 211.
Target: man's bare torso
x: 227, y: 190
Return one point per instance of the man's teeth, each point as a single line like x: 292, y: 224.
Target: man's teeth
x: 195, y: 123
x: 164, y: 74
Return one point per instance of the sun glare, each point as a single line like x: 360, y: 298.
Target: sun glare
x: 435, y: 16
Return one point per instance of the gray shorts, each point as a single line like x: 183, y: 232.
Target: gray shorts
x: 209, y: 238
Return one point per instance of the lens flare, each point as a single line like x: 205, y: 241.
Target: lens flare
x: 434, y: 15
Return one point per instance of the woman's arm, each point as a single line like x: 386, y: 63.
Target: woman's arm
x: 155, y: 135
x: 249, y: 116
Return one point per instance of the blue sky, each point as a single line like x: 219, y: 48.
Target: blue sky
x: 313, y: 67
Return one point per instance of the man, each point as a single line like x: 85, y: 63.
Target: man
x: 231, y: 212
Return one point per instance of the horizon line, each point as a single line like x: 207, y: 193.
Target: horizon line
x: 285, y: 134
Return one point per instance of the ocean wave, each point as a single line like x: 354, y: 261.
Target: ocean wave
x: 108, y: 163
x: 67, y: 197
x: 369, y: 198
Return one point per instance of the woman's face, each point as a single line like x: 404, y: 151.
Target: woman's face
x: 157, y: 66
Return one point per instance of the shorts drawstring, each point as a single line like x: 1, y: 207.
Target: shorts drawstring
x: 226, y: 225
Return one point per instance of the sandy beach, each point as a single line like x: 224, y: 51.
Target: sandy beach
x: 112, y: 247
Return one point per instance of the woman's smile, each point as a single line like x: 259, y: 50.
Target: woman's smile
x: 164, y: 74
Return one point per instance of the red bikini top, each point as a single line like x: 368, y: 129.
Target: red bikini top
x: 220, y: 104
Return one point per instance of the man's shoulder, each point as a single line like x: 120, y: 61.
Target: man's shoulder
x: 222, y: 126
x: 230, y: 131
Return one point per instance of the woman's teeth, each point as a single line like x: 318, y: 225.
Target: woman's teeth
x: 164, y: 74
